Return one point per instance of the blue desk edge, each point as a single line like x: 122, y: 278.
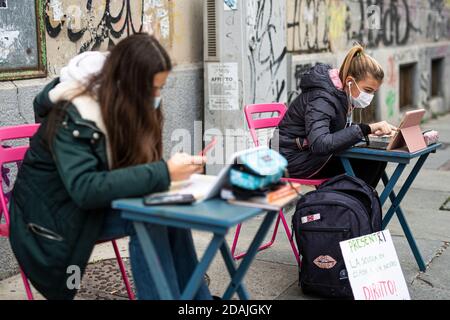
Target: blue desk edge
x: 399, y: 154
x: 244, y: 213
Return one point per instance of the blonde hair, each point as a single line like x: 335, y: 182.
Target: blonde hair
x: 359, y: 65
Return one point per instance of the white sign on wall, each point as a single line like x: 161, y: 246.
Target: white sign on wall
x: 223, y: 86
x: 373, y: 268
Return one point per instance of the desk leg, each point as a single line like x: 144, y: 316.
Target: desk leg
x: 348, y: 167
x: 152, y: 259
x: 236, y: 280
x: 231, y: 267
x: 391, y: 183
x: 389, y: 190
x: 395, y: 208
x: 197, y: 277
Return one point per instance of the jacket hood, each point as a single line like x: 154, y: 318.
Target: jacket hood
x: 319, y: 77
x: 56, y: 91
x: 83, y: 66
x: 69, y: 85
x: 72, y: 79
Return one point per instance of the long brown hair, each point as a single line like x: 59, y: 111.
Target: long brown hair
x: 123, y: 90
x: 358, y: 64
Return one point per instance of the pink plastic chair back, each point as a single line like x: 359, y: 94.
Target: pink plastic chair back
x: 263, y: 123
x: 266, y: 123
x: 12, y: 155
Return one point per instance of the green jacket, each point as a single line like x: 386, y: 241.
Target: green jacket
x: 67, y: 192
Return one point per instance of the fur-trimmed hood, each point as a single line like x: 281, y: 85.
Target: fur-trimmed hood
x: 73, y: 79
x: 72, y: 82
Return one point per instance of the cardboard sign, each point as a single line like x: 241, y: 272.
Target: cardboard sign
x: 373, y: 268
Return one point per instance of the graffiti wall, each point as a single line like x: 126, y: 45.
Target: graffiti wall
x: 75, y: 26
x: 397, y: 33
x: 421, y: 90
x: 331, y: 25
x: 266, y: 51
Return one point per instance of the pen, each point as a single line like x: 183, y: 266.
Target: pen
x: 208, y: 147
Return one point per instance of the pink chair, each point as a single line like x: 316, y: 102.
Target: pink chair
x: 265, y: 123
x: 17, y: 154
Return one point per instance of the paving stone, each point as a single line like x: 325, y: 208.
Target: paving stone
x: 103, y: 281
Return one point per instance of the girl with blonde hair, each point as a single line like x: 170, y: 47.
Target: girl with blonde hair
x: 319, y: 123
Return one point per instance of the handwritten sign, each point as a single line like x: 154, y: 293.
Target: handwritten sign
x: 373, y: 268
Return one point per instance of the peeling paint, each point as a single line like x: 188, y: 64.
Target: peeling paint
x: 78, y: 26
x: 7, y: 40
x: 156, y: 18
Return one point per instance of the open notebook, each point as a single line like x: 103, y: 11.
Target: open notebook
x: 198, y: 185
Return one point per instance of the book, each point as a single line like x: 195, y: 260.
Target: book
x: 273, y: 206
x: 284, y: 191
x: 270, y: 199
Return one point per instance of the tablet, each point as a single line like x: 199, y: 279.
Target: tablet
x: 411, y: 119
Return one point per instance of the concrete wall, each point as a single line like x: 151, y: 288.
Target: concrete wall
x: 396, y: 32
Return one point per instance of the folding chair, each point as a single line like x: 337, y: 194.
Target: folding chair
x: 266, y: 123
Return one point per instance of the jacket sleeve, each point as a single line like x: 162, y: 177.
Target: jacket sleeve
x: 318, y: 116
x: 92, y: 189
x: 42, y: 104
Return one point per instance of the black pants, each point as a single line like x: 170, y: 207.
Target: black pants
x: 368, y: 170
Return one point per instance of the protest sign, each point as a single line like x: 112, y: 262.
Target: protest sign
x: 373, y: 268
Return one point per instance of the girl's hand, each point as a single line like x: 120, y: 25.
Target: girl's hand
x: 181, y: 166
x: 382, y: 128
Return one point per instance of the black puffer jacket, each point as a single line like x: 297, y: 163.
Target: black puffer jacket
x: 319, y: 115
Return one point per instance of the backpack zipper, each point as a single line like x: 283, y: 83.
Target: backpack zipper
x: 361, y: 206
x: 334, y: 203
x: 328, y: 229
x: 372, y: 189
x: 357, y: 200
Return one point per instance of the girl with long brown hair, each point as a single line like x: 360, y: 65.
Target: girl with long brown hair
x: 319, y: 123
x: 100, y: 140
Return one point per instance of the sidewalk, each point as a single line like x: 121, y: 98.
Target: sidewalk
x: 274, y: 275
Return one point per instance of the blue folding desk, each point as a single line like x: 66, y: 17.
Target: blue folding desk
x: 402, y: 159
x: 215, y: 216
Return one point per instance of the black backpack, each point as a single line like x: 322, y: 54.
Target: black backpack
x: 340, y: 209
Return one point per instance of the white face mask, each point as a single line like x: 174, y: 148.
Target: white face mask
x: 157, y: 102
x: 363, y: 100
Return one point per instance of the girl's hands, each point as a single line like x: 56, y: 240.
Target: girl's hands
x: 382, y: 128
x: 181, y: 166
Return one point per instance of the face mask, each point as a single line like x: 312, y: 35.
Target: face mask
x: 157, y: 102
x: 363, y: 100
